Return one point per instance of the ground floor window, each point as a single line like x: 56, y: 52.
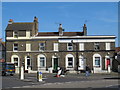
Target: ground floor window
x: 70, y: 62
x: 97, y: 61
x: 42, y: 61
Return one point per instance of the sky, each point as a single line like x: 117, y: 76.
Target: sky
x: 101, y: 18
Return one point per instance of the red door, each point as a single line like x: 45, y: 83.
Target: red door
x: 107, y: 62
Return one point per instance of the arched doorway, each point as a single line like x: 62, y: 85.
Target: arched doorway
x: 82, y: 63
x: 97, y: 63
x: 15, y: 59
x: 27, y: 62
x: 69, y: 62
x: 55, y: 63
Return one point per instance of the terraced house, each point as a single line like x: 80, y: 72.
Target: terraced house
x: 69, y: 50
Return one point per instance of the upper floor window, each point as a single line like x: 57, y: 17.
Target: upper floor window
x: 55, y: 46
x: 81, y: 46
x: 107, y: 46
x: 15, y: 47
x: 28, y: 47
x: 69, y: 47
x: 41, y: 46
x: 15, y: 34
x: 96, y: 46
x: 27, y: 33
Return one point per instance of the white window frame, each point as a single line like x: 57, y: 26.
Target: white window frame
x: 28, y: 47
x: 107, y: 46
x: 67, y: 67
x: 81, y: 46
x: 27, y: 33
x: 98, y: 61
x: 55, y: 46
x: 15, y: 47
x: 97, y: 55
x: 38, y: 62
x: 68, y: 47
x: 41, y: 46
x: 12, y: 60
x: 15, y: 34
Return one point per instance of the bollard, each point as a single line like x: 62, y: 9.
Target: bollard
x: 29, y: 69
x: 109, y: 69
x: 22, y: 73
x: 39, y: 76
x: 118, y: 68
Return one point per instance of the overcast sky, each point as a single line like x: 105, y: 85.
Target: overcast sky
x: 101, y: 18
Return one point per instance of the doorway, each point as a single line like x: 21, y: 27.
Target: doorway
x: 27, y: 62
x: 55, y: 67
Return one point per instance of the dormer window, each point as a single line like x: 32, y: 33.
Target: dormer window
x: 15, y: 34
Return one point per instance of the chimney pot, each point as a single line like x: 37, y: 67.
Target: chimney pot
x: 84, y: 25
x: 60, y: 25
x: 10, y: 21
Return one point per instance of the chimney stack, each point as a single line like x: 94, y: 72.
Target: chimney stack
x: 85, y: 30
x: 10, y: 21
x: 35, y: 19
x: 36, y: 25
x: 60, y: 30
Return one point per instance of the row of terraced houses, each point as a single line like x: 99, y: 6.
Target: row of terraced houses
x: 50, y: 50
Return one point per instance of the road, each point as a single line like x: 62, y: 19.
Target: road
x: 70, y: 80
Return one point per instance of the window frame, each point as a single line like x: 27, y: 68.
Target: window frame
x: 41, y: 47
x: 15, y: 34
x: 98, y: 61
x: 56, y: 47
x: 28, y: 46
x: 96, y: 46
x: 69, y: 46
x: 81, y: 46
x: 70, y: 66
x: 108, y: 47
x: 15, y: 47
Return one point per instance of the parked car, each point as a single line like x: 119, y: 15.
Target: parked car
x: 7, y: 68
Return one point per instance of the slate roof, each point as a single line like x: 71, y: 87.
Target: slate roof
x: 57, y: 34
x: 20, y: 26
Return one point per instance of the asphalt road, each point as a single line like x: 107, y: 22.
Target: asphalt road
x: 70, y: 80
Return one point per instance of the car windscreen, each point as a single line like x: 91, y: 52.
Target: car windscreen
x: 10, y: 66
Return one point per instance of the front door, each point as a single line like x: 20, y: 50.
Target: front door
x: 55, y: 64
x: 107, y: 62
x: 27, y: 62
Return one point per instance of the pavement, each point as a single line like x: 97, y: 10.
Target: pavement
x: 69, y: 81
